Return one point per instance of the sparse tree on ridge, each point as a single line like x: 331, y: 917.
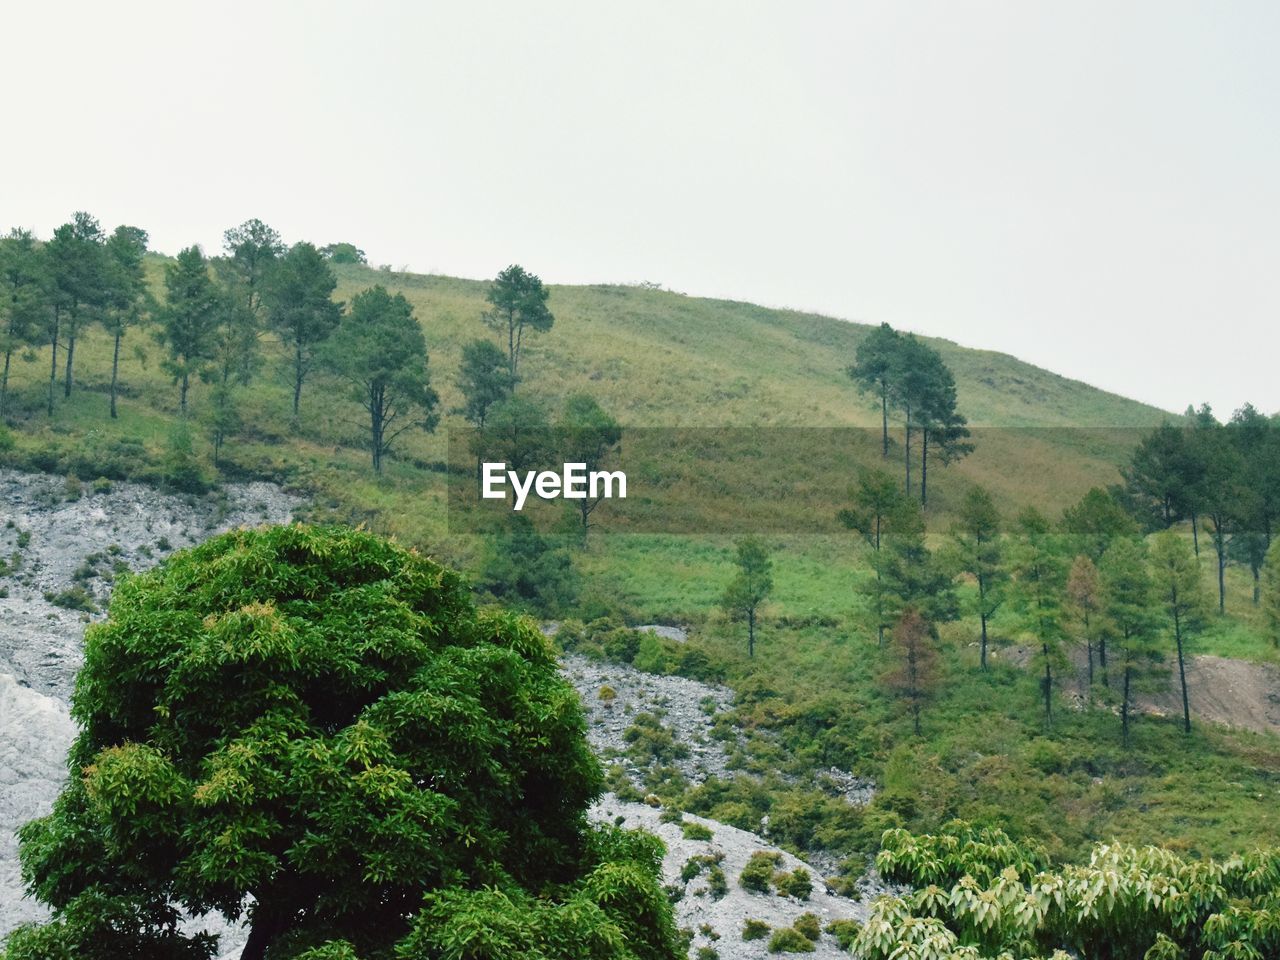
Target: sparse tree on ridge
x: 874, y: 365
x: 1131, y: 611
x: 1084, y: 603
x: 300, y: 308
x: 1039, y: 585
x: 979, y: 554
x: 128, y: 298
x: 1180, y: 590
x: 518, y: 303
x: 944, y: 431
x: 750, y: 586
x: 380, y: 349
x: 485, y: 380
x: 879, y: 510
x: 914, y: 677
x: 23, y: 290
x: 1225, y: 500
x: 188, y: 321
x: 79, y: 273
x: 587, y: 435
x: 1095, y: 521
x: 343, y: 253
x: 252, y: 250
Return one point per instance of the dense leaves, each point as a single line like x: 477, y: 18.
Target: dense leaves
x: 313, y: 728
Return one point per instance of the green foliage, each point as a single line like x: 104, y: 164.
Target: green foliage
x: 528, y: 570
x: 379, y: 348
x: 188, y: 322
x: 809, y: 925
x: 985, y: 895
x: 757, y: 875
x: 73, y: 598
x: 343, y: 253
x: 693, y: 830
x: 517, y: 302
x: 750, y: 586
x: 484, y: 379
x: 795, y: 884
x: 790, y: 940
x: 754, y: 929
x: 321, y: 720
x: 300, y: 308
x: 844, y: 931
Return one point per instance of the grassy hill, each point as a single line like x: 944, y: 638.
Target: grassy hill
x: 660, y: 359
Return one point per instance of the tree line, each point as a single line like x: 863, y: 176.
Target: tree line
x: 910, y: 378
x: 216, y: 319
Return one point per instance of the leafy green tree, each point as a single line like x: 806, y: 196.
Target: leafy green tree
x: 78, y: 271
x: 1084, y: 605
x: 750, y: 586
x: 189, y: 320
x: 1039, y: 581
x: 518, y: 302
x: 1161, y: 477
x: 879, y: 510
x: 485, y: 380
x: 1178, y: 586
x: 914, y: 676
x: 524, y: 568
x: 1223, y: 496
x: 517, y: 433
x: 1271, y: 593
x: 379, y: 348
x: 251, y: 251
x: 944, y: 431
x: 23, y: 295
x: 873, y: 370
x: 128, y: 298
x: 1132, y: 612
x: 1096, y: 520
x: 1257, y: 438
x: 300, y: 308
x: 587, y: 435
x: 343, y: 253
x: 222, y: 417
x: 979, y: 554
x: 314, y: 730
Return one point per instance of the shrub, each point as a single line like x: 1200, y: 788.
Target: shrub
x: 707, y: 953
x: 102, y: 485
x: 809, y: 925
x: 717, y: 883
x: 795, y: 884
x: 692, y: 867
x: 844, y: 931
x: 74, y: 489
x: 755, y: 930
x: 790, y: 940
x: 73, y: 598
x: 757, y: 875
x: 607, y: 694
x: 696, y: 831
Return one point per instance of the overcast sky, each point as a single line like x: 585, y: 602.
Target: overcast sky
x: 1089, y: 186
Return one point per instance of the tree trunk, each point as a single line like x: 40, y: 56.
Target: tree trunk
x: 884, y: 420
x: 375, y: 428
x: 1195, y: 532
x: 4, y: 382
x: 182, y: 394
x: 1182, y: 674
x: 1048, y: 687
x: 1220, y: 548
x: 1124, y: 706
x: 924, y: 467
x: 115, y: 374
x: 71, y: 353
x: 1102, y: 661
x: 262, y: 934
x: 906, y: 447
x: 751, y: 632
x: 53, y: 363
x: 297, y: 377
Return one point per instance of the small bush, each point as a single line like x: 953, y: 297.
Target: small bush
x: 790, y: 940
x: 74, y: 489
x: 24, y: 539
x: 163, y: 545
x: 73, y: 598
x: 755, y: 930
x: 809, y: 925
x: 707, y: 953
x: 692, y: 867
x: 607, y: 694
x: 757, y: 875
x: 717, y: 883
x: 696, y: 831
x: 844, y: 931
x: 795, y: 884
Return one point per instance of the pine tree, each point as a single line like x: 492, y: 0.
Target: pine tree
x: 914, y: 677
x: 188, y: 322
x: 1039, y: 577
x: 979, y: 554
x: 750, y: 586
x: 1180, y: 591
x: 24, y: 289
x: 1132, y: 612
x: 1084, y: 605
x: 873, y: 369
x: 127, y: 298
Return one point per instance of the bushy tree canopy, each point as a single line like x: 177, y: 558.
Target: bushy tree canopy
x: 315, y: 729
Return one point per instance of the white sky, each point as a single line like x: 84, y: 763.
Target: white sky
x: 1090, y: 186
